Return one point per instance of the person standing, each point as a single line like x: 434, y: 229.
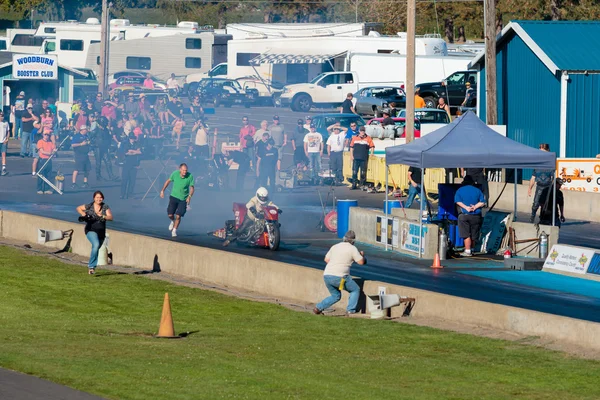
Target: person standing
x: 350, y: 133
x: 27, y: 120
x: 103, y: 142
x: 361, y: 147
x: 148, y: 82
x: 419, y: 102
x: 335, y: 149
x: 196, y: 109
x: 243, y: 162
x: 469, y: 95
x: 173, y: 85
x: 278, y: 135
x: 99, y: 103
x: 178, y: 126
x: 19, y: 110
x: 547, y: 202
x: 4, y: 134
x: 298, y: 143
x: 131, y: 152
x: 339, y: 259
x: 247, y: 132
x: 542, y: 179
x: 264, y: 127
x: 81, y: 149
x: 95, y: 215
x: 201, y: 140
x: 479, y: 177
x: 269, y: 165
x: 313, y: 148
x: 415, y: 180
x: 471, y: 201
x: 45, y: 149
x: 181, y: 196
x: 347, y: 105
x: 443, y: 106
x: 308, y: 120
x: 109, y: 111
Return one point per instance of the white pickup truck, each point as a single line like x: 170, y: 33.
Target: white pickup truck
x: 328, y: 89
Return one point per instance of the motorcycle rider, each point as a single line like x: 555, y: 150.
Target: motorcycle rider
x: 255, y: 209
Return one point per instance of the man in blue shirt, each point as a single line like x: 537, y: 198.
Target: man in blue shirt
x: 470, y: 200
x: 350, y: 133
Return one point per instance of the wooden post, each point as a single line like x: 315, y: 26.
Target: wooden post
x: 490, y: 62
x: 104, y: 29
x: 410, y: 70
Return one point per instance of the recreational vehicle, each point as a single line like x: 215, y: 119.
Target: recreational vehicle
x: 285, y: 30
x: 22, y: 41
x: 181, y: 54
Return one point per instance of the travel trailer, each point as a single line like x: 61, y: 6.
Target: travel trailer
x: 289, y: 30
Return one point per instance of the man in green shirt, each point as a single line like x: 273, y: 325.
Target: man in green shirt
x: 183, y: 190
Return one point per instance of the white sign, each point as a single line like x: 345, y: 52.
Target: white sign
x: 35, y: 66
x: 582, y: 174
x: 387, y: 231
x: 575, y: 260
x: 411, y: 238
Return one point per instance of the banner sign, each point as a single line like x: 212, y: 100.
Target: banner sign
x: 387, y: 231
x: 492, y: 231
x: 582, y: 174
x: 575, y: 260
x: 411, y: 238
x: 35, y: 66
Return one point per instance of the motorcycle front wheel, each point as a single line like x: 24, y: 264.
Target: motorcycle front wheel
x: 274, y: 236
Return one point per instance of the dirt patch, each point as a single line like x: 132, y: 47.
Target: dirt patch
x: 437, y: 323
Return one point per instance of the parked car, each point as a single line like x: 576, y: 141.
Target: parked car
x: 267, y: 91
x: 373, y: 100
x: 322, y: 121
x: 453, y: 89
x: 112, y: 78
x: 217, y: 91
x: 134, y: 81
x: 85, y: 87
x: 429, y: 115
x: 400, y: 122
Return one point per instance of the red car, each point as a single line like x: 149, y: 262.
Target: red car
x: 399, y: 122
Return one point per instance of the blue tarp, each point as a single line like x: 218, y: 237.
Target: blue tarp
x: 468, y: 143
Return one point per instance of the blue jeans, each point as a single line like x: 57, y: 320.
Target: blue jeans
x: 333, y: 284
x: 315, y: 164
x: 412, y: 193
x: 25, y: 139
x: 95, y: 241
x: 18, y: 127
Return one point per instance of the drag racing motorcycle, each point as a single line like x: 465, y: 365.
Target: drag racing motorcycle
x: 263, y: 233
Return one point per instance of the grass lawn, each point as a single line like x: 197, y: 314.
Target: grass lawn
x: 58, y: 323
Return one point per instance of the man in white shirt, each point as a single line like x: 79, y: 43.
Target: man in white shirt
x: 337, y: 274
x: 4, y: 133
x: 335, y: 148
x: 172, y: 85
x: 313, y: 148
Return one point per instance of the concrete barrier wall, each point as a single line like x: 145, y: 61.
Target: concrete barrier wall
x: 275, y: 279
x: 578, y: 205
x: 363, y: 222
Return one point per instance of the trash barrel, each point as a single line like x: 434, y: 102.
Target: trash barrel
x: 391, y: 204
x: 343, y: 215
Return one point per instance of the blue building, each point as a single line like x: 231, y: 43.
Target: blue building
x: 548, y: 83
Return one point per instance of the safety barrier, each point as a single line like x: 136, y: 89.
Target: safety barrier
x: 398, y: 175
x: 297, y: 283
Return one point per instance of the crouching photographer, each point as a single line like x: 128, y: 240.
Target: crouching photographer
x: 95, y: 215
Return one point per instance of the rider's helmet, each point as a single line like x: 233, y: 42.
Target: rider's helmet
x: 262, y: 194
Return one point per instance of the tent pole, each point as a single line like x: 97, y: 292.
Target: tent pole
x: 421, y: 214
x: 515, y: 209
x: 554, y: 201
x: 386, y: 201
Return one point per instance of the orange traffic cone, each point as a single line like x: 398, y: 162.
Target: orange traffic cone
x: 436, y: 262
x: 166, y: 329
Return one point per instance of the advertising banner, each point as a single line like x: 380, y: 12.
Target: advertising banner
x: 387, y: 231
x: 35, y: 66
x: 581, y: 174
x: 575, y: 260
x: 411, y: 238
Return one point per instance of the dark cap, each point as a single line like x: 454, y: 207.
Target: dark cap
x: 300, y: 122
x: 312, y: 125
x: 271, y: 142
x: 308, y: 118
x: 276, y: 117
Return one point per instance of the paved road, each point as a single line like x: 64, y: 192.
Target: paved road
x: 17, y: 386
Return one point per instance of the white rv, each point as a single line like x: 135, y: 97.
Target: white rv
x: 23, y: 41
x: 71, y: 40
x: 181, y: 54
x: 289, y: 30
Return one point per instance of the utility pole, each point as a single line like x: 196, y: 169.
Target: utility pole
x: 104, y: 36
x: 491, y: 95
x: 410, y: 70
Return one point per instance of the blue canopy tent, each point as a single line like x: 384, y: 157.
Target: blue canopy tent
x: 468, y: 143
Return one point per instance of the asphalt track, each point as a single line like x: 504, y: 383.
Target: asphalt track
x: 302, y: 243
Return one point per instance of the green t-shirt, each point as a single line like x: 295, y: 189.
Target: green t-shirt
x: 181, y: 186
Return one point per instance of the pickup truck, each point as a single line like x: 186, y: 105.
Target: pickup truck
x: 452, y: 89
x: 190, y: 86
x: 328, y: 89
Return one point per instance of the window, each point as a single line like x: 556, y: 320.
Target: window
x: 193, y: 62
x: 94, y: 41
x: 193, y: 44
x: 49, y: 30
x: 27, y: 40
x: 139, y: 63
x: 2, y: 44
x: 50, y: 46
x: 220, y: 70
x: 71, y: 45
x: 381, y: 51
x: 457, y: 78
x: 243, y: 59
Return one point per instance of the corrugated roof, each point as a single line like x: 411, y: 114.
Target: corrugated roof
x: 560, y: 45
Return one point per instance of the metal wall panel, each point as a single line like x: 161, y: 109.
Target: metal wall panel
x: 583, y: 115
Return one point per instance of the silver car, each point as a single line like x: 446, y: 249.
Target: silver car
x: 373, y: 100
